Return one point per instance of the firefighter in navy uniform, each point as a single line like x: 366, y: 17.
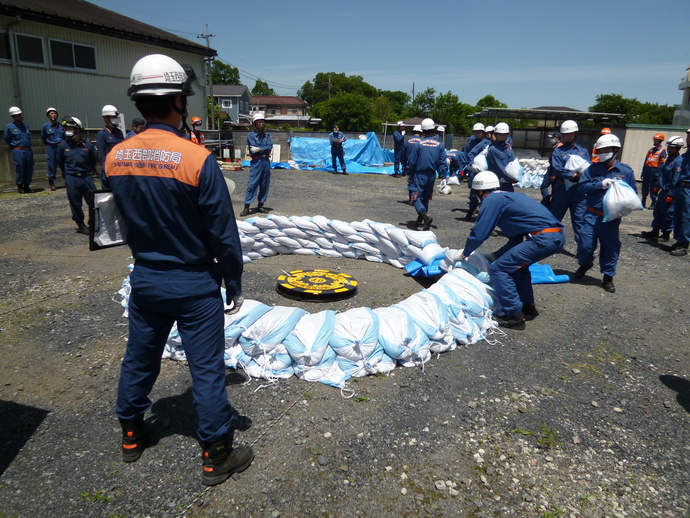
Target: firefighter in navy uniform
x: 184, y: 239
x: 108, y: 138
x: 337, y: 139
x: 77, y: 158
x: 18, y: 136
x: 52, y: 133
x: 426, y: 157
x: 260, y: 147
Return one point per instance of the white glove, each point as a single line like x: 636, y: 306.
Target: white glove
x: 235, y: 304
x: 607, y: 182
x: 444, y: 182
x: 459, y: 256
x: 255, y: 149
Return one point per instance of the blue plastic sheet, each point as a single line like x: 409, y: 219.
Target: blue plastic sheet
x: 361, y: 155
x: 543, y: 274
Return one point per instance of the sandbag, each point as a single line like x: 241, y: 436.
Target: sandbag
x: 620, y: 200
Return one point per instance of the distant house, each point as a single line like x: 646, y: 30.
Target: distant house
x: 233, y: 101
x: 77, y: 57
x: 284, y: 109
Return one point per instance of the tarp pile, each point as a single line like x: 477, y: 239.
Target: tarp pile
x: 277, y: 342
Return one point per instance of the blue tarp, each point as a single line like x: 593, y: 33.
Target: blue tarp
x: 361, y: 155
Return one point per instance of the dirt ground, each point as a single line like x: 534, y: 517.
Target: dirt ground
x: 586, y: 413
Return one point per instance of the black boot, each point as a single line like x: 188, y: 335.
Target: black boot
x: 133, y: 438
x: 580, y: 272
x: 427, y: 221
x: 20, y: 188
x: 530, y: 311
x: 512, y: 322
x: 607, y: 284
x: 261, y: 209
x: 680, y: 250
x: 652, y: 234
x: 52, y: 185
x: 27, y: 189
x: 245, y: 212
x: 221, y: 460
x: 665, y: 236
x: 83, y: 229
x: 420, y: 220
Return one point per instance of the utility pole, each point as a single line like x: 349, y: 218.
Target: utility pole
x: 209, y: 78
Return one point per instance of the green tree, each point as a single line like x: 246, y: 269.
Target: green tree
x: 352, y: 111
x: 634, y: 111
x: 422, y: 104
x: 224, y: 74
x: 489, y: 101
x: 262, y: 88
x: 397, y: 100
x: 329, y: 84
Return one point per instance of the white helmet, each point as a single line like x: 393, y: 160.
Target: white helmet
x: 401, y: 123
x: 485, y: 181
x: 15, y: 110
x: 428, y: 124
x: 72, y: 122
x: 675, y: 142
x: 502, y: 127
x: 478, y: 127
x: 569, y: 127
x: 109, y: 111
x: 417, y: 128
x: 442, y: 129
x: 258, y: 116
x: 51, y: 109
x: 489, y: 129
x: 607, y: 141
x: 157, y: 74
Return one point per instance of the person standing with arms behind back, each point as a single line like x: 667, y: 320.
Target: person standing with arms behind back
x: 260, y: 147
x: 52, y: 134
x: 76, y: 157
x: 337, y: 138
x: 108, y: 137
x: 183, y: 235
x: 18, y: 137
x: 655, y: 158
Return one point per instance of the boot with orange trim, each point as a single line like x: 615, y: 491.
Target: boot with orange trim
x: 221, y: 460
x: 133, y: 438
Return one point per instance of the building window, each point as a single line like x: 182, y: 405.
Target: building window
x: 273, y: 112
x: 227, y: 103
x: 64, y: 54
x: 5, y: 54
x: 29, y: 49
x: 295, y: 112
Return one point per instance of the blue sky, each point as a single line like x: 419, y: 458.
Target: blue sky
x: 526, y: 53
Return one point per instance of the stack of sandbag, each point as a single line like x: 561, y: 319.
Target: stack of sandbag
x: 534, y: 167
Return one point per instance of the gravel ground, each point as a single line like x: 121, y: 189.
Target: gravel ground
x: 586, y: 413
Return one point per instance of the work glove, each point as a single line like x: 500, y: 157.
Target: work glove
x: 444, y: 182
x: 254, y: 149
x: 459, y: 256
x: 606, y: 183
x: 235, y: 304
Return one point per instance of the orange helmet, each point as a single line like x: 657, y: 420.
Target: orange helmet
x: 196, y: 121
x: 658, y: 136
x: 605, y: 131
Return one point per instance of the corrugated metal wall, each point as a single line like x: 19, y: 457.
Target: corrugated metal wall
x: 83, y: 94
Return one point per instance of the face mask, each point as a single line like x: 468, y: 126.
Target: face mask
x: 69, y: 133
x: 115, y: 121
x: 606, y: 157
x: 552, y: 140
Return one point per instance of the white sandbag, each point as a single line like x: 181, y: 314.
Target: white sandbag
x: 342, y: 247
x: 350, y: 253
x: 398, y: 236
x: 246, y: 259
x: 246, y: 227
x: 304, y: 222
x: 295, y: 232
x: 270, y: 330
x: 371, y: 237
x: 429, y: 253
x: 260, y: 236
x: 273, y: 364
x: 480, y: 162
x: 342, y: 228
x: 324, y: 243
x: 254, y: 255
x: 307, y: 243
x: 288, y: 241
x: 464, y: 329
x: 373, y: 258
x: 420, y: 238
x: 247, y: 242
x: 453, y: 180
x: 393, y: 262
x: 360, y: 226
x: 263, y: 223
x: 356, y: 238
x: 513, y: 169
x: 268, y: 243
x: 355, y: 334
x: 235, y: 325
x: 429, y: 313
x: 388, y: 248
x: 328, y: 252
x: 275, y: 232
x: 282, y: 221
x: 576, y: 164
x: 620, y: 200
x: 366, y: 248
x: 304, y: 251
x: 267, y: 252
x: 401, y: 338
x: 380, y: 228
x: 327, y: 372
x: 322, y: 222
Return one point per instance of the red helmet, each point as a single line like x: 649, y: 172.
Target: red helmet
x: 658, y: 136
x: 605, y: 131
x: 196, y: 121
